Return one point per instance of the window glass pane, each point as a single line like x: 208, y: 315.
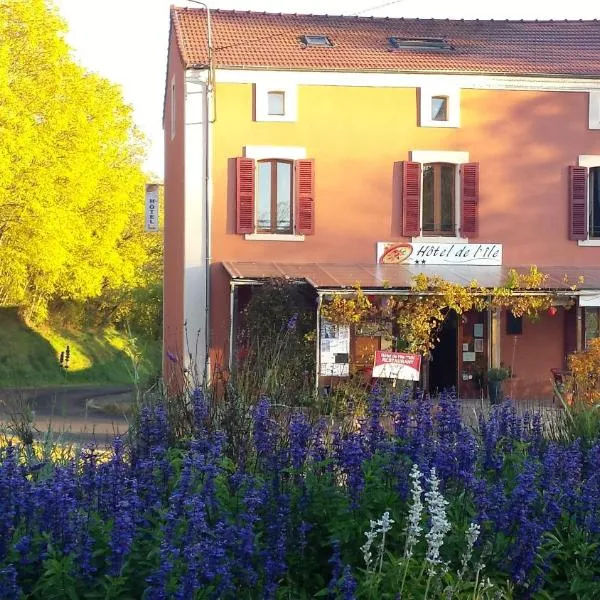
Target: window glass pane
x: 284, y: 196
x: 439, y: 108
x: 592, y: 324
x: 447, y: 199
x: 594, y: 200
x: 428, y: 198
x: 264, y: 195
x: 276, y: 103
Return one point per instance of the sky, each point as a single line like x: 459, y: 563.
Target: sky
x: 126, y: 40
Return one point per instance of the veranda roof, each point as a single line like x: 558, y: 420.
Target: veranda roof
x: 323, y: 276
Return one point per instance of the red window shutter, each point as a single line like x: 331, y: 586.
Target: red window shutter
x: 305, y: 196
x: 244, y: 194
x: 411, y: 199
x: 578, y: 184
x: 469, y: 199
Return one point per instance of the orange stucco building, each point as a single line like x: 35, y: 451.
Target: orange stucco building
x: 336, y: 150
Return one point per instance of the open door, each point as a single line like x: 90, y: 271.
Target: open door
x: 473, y: 348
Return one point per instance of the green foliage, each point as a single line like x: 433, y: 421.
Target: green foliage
x: 29, y: 356
x: 71, y: 182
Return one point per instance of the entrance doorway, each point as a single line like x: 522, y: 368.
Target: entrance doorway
x: 443, y: 366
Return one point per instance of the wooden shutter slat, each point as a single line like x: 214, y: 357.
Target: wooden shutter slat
x: 578, y: 190
x: 469, y: 187
x: 245, y: 170
x: 411, y: 198
x: 305, y: 196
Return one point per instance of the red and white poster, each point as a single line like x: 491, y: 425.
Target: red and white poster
x: 397, y: 365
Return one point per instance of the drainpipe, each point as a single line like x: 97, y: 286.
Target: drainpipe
x: 207, y: 182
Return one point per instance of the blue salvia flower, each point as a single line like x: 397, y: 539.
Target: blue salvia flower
x: 200, y: 413
x: 275, y: 564
x: 400, y: 411
x: 300, y: 435
x: 292, y: 322
x: 9, y: 588
x: 348, y: 584
x: 373, y: 429
x: 526, y: 530
x: 337, y: 568
x: 590, y: 496
x: 551, y: 485
x: 350, y: 454
x: 264, y: 436
x: 123, y: 530
x: 422, y: 440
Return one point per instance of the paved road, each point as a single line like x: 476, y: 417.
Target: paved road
x: 76, y: 414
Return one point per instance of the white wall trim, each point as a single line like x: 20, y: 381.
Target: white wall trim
x: 195, y: 300
x: 594, y: 110
x: 407, y: 80
x: 274, y: 237
x: 426, y: 94
x: 285, y: 152
x: 439, y: 240
x: 261, y: 100
x: 589, y: 160
x: 446, y: 156
x: 589, y: 243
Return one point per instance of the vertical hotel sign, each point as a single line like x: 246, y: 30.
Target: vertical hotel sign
x: 151, y: 207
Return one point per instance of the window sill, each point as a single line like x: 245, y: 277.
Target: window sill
x: 273, y: 237
x: 589, y: 243
x: 441, y: 239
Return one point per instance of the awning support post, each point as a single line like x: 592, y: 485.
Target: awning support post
x: 231, y: 322
x: 318, y: 341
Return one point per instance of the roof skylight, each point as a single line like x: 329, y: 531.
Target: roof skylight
x: 435, y: 44
x: 316, y: 41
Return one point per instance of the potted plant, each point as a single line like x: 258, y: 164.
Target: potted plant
x: 496, y: 376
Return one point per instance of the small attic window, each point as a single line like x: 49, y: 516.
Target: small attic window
x: 316, y: 41
x: 436, y: 44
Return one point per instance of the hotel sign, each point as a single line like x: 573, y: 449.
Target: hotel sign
x: 438, y: 254
x: 151, y: 221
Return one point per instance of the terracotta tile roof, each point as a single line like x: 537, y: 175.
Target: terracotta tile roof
x: 272, y: 41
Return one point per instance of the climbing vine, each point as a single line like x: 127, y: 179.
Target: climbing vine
x: 419, y: 315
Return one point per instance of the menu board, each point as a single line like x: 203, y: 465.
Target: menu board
x: 335, y: 349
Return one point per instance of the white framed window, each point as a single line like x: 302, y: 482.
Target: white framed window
x: 591, y: 163
x: 275, y: 102
x: 440, y: 206
x: 439, y: 106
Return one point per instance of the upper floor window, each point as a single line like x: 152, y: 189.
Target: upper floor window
x: 584, y: 201
x: 439, y: 198
x: 276, y: 103
x: 274, y: 196
x: 439, y: 108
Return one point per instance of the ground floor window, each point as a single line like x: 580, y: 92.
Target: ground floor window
x: 591, y: 317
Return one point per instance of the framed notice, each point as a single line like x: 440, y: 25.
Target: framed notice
x: 479, y: 345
